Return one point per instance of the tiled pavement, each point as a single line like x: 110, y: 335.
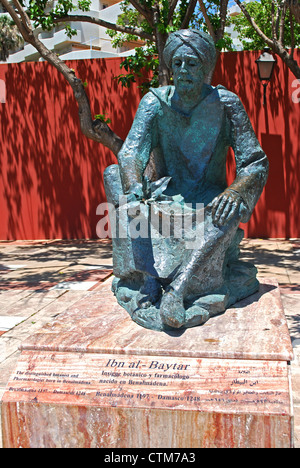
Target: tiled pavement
x: 39, y: 280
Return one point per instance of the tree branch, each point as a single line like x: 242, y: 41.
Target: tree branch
x: 160, y: 40
x: 281, y: 27
x: 23, y: 14
x: 292, y: 35
x: 275, y: 45
x: 115, y: 27
x: 279, y: 8
x: 274, y: 37
x: 295, y: 7
x: 207, y: 20
x: 24, y: 30
x: 146, y: 13
x: 223, y: 14
x: 173, y: 4
x: 265, y: 38
x: 188, y: 15
x: 96, y: 130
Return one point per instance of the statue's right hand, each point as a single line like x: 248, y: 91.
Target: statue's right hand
x: 135, y: 192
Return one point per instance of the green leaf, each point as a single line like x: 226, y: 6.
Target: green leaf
x: 103, y: 118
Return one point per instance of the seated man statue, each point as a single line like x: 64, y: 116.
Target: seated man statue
x: 184, y: 131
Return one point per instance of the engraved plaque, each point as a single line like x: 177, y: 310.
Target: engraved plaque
x: 247, y: 401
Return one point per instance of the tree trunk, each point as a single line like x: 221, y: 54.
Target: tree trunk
x: 295, y: 8
x: 286, y: 58
x: 160, y: 41
x: 163, y: 71
x: 275, y: 45
x: 96, y: 130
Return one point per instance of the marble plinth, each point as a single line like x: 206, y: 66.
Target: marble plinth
x: 94, y: 378
x: 254, y: 328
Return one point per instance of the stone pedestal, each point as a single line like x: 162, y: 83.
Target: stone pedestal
x: 94, y: 378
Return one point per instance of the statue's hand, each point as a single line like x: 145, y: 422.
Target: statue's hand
x: 226, y: 206
x: 135, y: 192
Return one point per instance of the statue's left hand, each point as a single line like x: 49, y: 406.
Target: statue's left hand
x: 226, y: 206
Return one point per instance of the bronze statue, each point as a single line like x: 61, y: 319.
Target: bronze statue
x: 184, y: 131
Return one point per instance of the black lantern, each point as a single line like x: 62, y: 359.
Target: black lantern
x: 265, y: 66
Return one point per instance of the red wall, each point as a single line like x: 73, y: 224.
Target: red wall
x: 51, y: 175
x: 277, y: 126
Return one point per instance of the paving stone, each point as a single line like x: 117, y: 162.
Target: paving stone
x: 31, y: 305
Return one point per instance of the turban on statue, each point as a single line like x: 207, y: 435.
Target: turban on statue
x: 201, y: 43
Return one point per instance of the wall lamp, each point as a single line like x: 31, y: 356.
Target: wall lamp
x: 265, y: 65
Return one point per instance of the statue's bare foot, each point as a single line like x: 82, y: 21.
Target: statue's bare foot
x: 172, y: 310
x: 149, y: 293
